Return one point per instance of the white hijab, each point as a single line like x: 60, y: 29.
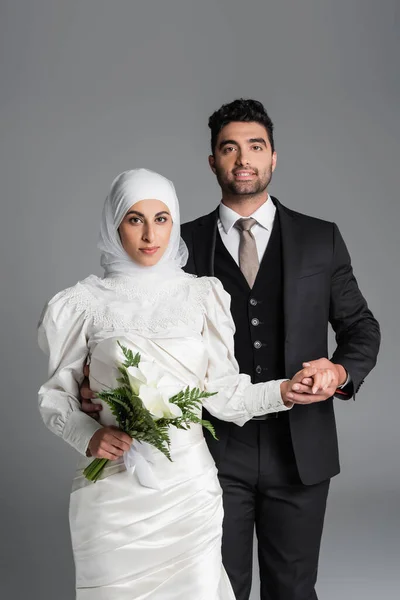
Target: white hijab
x: 127, y: 189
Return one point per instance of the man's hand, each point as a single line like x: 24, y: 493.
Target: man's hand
x: 324, y: 363
x: 89, y: 407
x: 109, y: 442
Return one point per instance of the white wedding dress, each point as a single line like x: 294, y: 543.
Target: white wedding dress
x: 131, y: 541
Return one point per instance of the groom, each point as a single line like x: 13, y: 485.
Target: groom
x: 289, y: 276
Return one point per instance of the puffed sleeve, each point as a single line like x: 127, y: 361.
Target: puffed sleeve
x: 62, y: 334
x: 238, y: 400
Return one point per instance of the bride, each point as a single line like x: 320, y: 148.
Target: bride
x: 132, y: 541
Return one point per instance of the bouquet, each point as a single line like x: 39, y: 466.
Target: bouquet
x: 145, y: 411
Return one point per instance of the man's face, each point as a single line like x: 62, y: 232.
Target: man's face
x: 243, y: 160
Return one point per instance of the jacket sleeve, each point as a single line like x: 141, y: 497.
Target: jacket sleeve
x: 357, y: 331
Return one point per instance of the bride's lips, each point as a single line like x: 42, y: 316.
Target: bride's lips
x: 151, y: 250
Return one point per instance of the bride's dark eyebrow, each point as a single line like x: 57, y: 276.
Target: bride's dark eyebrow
x: 135, y: 212
x: 139, y: 214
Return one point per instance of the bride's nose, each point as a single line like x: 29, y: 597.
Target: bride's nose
x: 148, y: 233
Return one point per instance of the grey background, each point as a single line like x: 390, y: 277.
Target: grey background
x: 90, y: 88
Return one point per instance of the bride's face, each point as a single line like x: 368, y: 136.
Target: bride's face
x: 145, y: 231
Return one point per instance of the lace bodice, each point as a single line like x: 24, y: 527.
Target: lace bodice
x: 117, y: 303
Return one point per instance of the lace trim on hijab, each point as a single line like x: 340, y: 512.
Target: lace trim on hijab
x: 166, y: 314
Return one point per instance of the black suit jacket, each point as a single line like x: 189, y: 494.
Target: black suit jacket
x: 319, y: 288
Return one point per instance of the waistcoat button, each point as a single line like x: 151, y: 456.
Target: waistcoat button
x: 253, y: 301
x: 255, y: 322
x: 258, y: 369
x: 257, y: 344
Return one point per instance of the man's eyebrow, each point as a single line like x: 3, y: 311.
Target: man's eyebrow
x: 250, y: 141
x: 257, y: 141
x: 225, y: 142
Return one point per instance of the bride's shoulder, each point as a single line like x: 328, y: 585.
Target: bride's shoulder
x: 78, y: 297
x: 210, y: 283
x: 211, y: 288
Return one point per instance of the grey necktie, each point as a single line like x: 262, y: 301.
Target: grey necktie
x: 248, y: 256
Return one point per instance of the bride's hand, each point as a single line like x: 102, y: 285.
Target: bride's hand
x: 300, y: 383
x: 109, y: 442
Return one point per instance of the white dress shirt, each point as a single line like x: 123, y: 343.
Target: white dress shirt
x: 261, y: 231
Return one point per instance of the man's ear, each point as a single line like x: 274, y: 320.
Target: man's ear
x: 211, y: 162
x: 274, y: 159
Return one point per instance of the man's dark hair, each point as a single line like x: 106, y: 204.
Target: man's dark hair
x: 240, y: 110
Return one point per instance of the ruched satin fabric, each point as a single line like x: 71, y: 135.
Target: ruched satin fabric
x: 132, y: 542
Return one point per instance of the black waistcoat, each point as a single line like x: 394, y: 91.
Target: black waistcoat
x: 257, y: 312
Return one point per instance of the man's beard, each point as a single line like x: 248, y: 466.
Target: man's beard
x: 244, y: 188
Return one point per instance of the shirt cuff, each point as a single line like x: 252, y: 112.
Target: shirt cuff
x: 345, y: 391
x: 79, y: 430
x: 340, y: 387
x: 271, y: 400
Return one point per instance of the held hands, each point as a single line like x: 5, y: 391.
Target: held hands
x: 317, y: 382
x: 301, y: 383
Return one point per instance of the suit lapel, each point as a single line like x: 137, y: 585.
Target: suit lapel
x: 292, y: 247
x: 204, y: 240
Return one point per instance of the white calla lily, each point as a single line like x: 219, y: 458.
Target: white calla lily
x: 136, y: 379
x: 155, y: 388
x: 157, y: 402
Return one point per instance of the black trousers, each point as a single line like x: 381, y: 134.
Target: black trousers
x: 262, y: 489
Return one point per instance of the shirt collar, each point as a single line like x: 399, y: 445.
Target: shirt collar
x: 264, y: 215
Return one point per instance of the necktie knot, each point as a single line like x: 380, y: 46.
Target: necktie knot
x: 245, y: 224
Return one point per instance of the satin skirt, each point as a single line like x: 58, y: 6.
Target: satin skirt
x: 131, y: 542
